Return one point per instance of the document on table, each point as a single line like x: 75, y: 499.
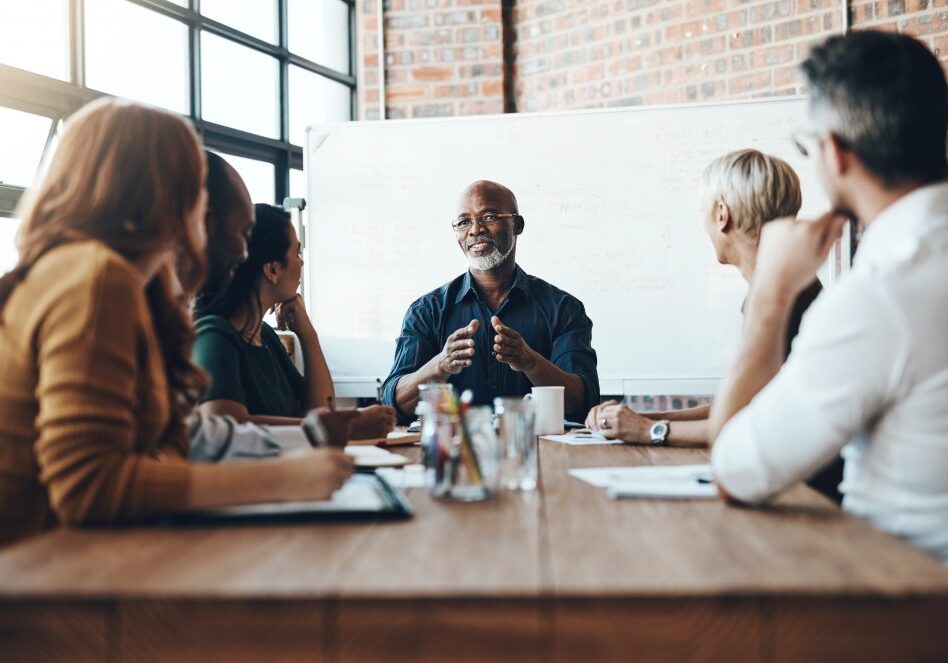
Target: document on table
x: 412, y: 476
x: 579, y: 439
x: 666, y: 481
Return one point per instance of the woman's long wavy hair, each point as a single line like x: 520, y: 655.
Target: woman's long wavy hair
x: 127, y: 175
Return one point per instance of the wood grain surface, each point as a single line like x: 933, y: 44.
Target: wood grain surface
x: 563, y: 573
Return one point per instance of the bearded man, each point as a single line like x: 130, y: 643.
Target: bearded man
x: 494, y: 330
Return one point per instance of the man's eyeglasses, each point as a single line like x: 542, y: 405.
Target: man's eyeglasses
x: 486, y: 220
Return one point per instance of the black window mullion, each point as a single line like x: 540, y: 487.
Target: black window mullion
x: 282, y: 172
x: 354, y: 98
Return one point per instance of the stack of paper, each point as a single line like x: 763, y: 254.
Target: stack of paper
x: 671, y: 482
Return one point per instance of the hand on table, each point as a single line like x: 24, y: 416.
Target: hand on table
x: 617, y: 422
x: 371, y: 422
x: 316, y: 475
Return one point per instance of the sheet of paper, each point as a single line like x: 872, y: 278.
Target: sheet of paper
x: 602, y: 477
x: 580, y: 439
x: 665, y: 481
x: 369, y: 456
x: 357, y: 494
x: 412, y: 476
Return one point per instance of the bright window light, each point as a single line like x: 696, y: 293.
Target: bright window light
x: 315, y: 99
x: 319, y: 31
x: 259, y: 176
x: 23, y: 137
x: 297, y: 184
x: 240, y: 86
x: 34, y: 36
x: 136, y: 53
x: 255, y: 17
x: 8, y: 252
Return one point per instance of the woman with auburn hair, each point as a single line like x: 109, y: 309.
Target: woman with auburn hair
x: 95, y: 338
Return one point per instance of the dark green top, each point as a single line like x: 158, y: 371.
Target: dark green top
x: 262, y: 378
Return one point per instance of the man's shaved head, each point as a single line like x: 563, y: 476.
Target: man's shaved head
x: 485, y: 190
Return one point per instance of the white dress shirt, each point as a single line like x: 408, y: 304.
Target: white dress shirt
x: 868, y: 374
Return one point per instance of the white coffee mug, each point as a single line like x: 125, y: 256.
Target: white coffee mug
x: 548, y: 404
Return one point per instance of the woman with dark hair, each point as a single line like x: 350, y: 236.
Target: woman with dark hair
x: 96, y: 338
x: 252, y: 378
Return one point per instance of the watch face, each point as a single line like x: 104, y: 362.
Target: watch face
x: 659, y: 430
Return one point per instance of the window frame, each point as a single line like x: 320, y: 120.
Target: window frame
x: 56, y: 99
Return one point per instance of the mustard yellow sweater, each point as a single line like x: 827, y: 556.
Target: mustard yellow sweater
x: 84, y: 404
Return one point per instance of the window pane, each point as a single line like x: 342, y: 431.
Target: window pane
x: 136, y: 53
x: 240, y: 86
x: 8, y: 253
x: 315, y: 99
x: 255, y: 17
x: 35, y: 36
x: 23, y: 137
x: 259, y: 177
x: 319, y: 31
x: 297, y: 184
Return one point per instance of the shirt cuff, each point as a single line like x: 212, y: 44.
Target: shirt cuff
x: 737, y: 463
x: 289, y: 439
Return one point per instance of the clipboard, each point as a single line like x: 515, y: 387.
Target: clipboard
x: 365, y: 496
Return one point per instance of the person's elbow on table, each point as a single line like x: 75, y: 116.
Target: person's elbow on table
x: 738, y: 470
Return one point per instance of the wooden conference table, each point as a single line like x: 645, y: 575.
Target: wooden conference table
x: 561, y: 574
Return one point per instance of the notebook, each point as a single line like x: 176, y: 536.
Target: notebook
x: 364, y: 496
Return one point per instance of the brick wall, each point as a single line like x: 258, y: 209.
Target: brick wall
x: 446, y: 57
x: 442, y: 57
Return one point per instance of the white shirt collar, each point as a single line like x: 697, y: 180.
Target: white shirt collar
x: 898, y: 233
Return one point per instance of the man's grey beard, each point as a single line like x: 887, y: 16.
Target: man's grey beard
x: 491, y: 260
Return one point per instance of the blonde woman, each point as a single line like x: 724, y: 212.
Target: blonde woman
x: 95, y: 338
x: 741, y: 191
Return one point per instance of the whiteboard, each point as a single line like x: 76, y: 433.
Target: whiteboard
x: 611, y: 203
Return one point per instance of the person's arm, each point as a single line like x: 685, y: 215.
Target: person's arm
x: 699, y: 413
x: 225, y: 407
x: 617, y: 422
x: 456, y: 355
x: 419, y: 360
x: 788, y: 255
x: 89, y: 358
x: 319, y: 386
x: 572, y: 361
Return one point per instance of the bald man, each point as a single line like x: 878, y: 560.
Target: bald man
x: 494, y: 330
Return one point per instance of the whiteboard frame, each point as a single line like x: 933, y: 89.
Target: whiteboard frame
x: 610, y: 384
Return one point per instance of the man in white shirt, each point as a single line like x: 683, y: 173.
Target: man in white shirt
x: 868, y: 373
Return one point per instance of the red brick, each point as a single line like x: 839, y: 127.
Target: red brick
x: 432, y: 73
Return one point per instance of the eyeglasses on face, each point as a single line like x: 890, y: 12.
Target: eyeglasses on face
x: 486, y: 220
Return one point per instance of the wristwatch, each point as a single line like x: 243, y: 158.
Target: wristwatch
x: 658, y: 432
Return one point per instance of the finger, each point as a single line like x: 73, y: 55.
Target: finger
x: 460, y: 364
x: 610, y: 434
x: 466, y: 347
x: 591, y: 418
x: 506, y: 331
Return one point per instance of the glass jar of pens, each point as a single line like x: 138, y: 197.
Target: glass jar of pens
x: 462, y: 455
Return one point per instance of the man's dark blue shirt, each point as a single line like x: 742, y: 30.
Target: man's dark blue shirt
x: 552, y: 322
